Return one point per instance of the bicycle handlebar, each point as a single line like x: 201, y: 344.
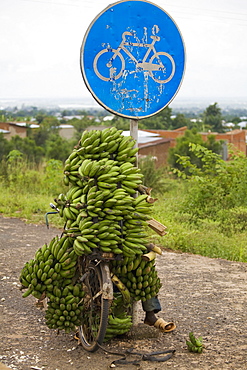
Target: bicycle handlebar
x: 54, y: 207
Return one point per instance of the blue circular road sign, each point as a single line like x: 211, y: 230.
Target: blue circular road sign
x: 133, y: 58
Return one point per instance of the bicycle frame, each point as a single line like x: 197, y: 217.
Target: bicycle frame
x: 143, y: 65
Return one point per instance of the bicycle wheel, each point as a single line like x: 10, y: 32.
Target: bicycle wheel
x: 165, y: 67
x: 109, y: 64
x: 95, y: 309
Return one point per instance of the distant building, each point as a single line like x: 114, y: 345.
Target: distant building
x: 66, y: 131
x: 108, y: 118
x: 235, y: 137
x: 152, y: 145
x: 11, y: 129
x: 144, y: 136
x: 16, y: 128
x: 229, y: 125
x: 157, y: 149
x: 242, y: 124
x: 4, y: 132
x: 68, y: 118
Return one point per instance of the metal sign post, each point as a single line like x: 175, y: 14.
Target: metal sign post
x: 134, y: 131
x: 134, y: 134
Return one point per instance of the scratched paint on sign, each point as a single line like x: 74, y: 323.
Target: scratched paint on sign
x: 135, y: 58
x: 132, y: 58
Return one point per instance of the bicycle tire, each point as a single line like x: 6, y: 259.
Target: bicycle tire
x: 156, y: 57
x: 110, y: 60
x: 96, y: 309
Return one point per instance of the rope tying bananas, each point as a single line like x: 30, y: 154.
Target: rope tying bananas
x: 100, y: 214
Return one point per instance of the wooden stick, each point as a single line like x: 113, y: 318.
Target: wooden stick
x: 157, y: 227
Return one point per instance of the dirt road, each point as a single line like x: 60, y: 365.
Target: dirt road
x: 203, y: 295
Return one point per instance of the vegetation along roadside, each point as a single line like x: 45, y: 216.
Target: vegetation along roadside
x: 201, y: 198
x: 204, y: 209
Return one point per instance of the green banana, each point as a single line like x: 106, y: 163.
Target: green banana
x: 195, y: 341
x: 106, y: 185
x: 64, y: 245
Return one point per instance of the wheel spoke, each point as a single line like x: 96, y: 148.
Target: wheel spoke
x: 95, y: 312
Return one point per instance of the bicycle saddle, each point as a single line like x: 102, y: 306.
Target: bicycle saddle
x: 157, y: 38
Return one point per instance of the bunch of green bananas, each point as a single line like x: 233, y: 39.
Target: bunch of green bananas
x: 101, y: 213
x: 194, y: 344
x: 117, y: 325
x: 119, y: 320
x: 52, y: 274
x: 65, y: 307
x: 103, y: 180
x: 94, y: 146
x: 103, y: 229
x: 139, y: 276
x: 52, y: 263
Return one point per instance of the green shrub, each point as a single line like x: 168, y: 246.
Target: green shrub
x: 216, y: 186
x: 233, y: 220
x: 53, y: 178
x: 27, y: 189
x: 204, y: 236
x: 155, y: 178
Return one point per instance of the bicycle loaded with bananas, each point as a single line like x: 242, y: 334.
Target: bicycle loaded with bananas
x: 105, y: 237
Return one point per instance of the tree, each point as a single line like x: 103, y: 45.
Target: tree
x: 58, y: 148
x: 40, y: 117
x: 182, y: 148
x: 183, y: 145
x: 121, y: 123
x: 124, y: 124
x: 28, y: 148
x: 5, y: 146
x: 48, y: 127
x: 213, y: 144
x: 179, y: 121
x: 212, y: 118
x: 160, y: 121
x: 217, y: 190
x: 64, y: 113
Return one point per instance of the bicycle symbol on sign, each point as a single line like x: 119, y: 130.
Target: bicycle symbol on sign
x: 160, y: 66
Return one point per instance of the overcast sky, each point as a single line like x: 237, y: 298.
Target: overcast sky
x: 40, y: 44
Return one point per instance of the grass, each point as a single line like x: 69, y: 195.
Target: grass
x: 29, y: 207
x: 204, y: 238
x: 26, y: 191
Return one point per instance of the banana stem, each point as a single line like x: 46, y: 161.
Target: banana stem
x: 154, y: 248
x: 149, y: 256
x: 122, y: 288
